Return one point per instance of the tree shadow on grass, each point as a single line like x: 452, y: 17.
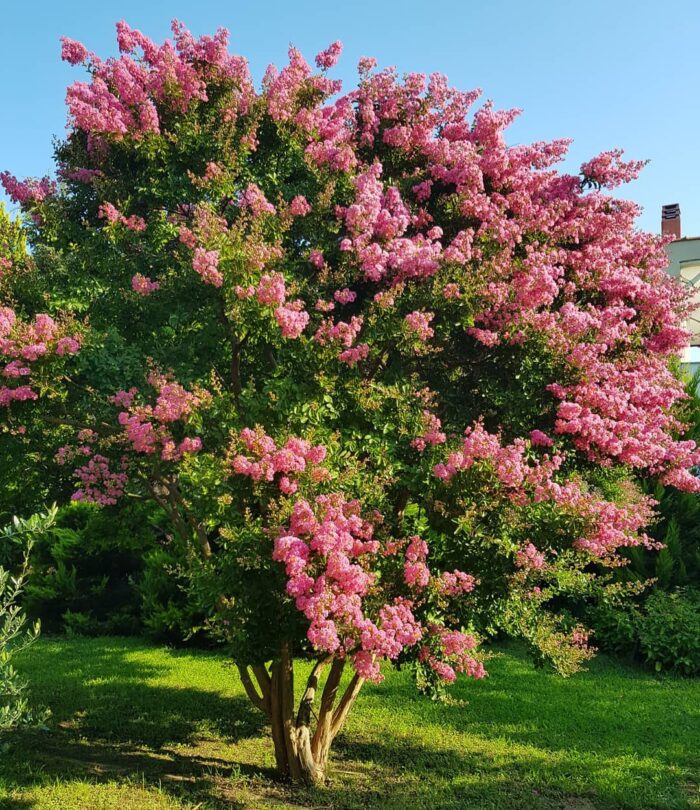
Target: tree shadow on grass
x: 98, y: 688
x: 613, y: 710
x: 404, y: 775
x: 112, y: 719
x: 119, y: 715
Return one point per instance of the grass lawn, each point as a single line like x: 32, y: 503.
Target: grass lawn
x: 137, y: 726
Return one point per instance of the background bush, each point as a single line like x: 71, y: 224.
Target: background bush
x: 109, y: 571
x: 669, y: 631
x: 15, y: 633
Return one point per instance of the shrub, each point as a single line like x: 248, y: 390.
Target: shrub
x: 615, y: 627
x: 669, y: 631
x: 15, y: 634
x: 168, y: 608
x: 85, y: 570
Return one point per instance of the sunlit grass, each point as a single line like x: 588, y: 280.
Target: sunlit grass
x: 136, y: 726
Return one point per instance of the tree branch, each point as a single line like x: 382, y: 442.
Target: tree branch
x: 341, y: 713
x: 307, y: 700
x: 325, y: 717
x: 257, y: 701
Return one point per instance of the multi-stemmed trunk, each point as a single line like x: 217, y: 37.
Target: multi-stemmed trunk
x: 301, y: 753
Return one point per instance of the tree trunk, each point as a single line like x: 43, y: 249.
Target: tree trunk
x: 300, y: 754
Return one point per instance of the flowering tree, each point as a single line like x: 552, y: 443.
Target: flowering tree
x: 390, y: 379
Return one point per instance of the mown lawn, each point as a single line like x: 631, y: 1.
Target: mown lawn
x: 137, y: 726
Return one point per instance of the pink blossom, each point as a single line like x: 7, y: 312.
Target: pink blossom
x: 328, y: 58
x: 254, y: 199
x: 529, y: 557
x: 299, y: 206
x: 72, y: 51
x: 271, y: 289
x: 316, y: 258
x: 206, y: 263
x: 344, y: 296
x: 27, y: 191
x: 292, y: 319
x: 143, y: 285
x: 540, y: 439
x: 419, y: 323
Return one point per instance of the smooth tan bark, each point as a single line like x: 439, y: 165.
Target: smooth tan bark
x: 300, y: 754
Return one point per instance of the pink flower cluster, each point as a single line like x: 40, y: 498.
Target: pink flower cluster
x: 292, y: 318
x: 432, y: 435
x: 377, y: 223
x: 143, y: 285
x: 525, y: 481
x: 328, y: 58
x: 529, y: 557
x: 454, y: 583
x: 25, y: 192
x: 98, y: 482
x: 608, y: 169
x: 345, y: 296
x: 22, y: 344
x: 113, y: 216
x: 343, y: 333
x: 254, y: 199
x: 332, y: 536
x: 124, y: 93
x: 148, y: 428
x: 282, y: 465
x: 299, y: 206
x: 328, y: 551
x: 449, y: 652
x: 271, y: 291
x: 354, y: 354
x: 206, y: 263
x: 419, y: 324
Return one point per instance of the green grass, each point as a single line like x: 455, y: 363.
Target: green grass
x: 136, y: 726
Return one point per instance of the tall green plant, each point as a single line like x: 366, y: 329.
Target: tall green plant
x: 15, y: 632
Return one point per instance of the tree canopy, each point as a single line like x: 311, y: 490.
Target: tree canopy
x: 390, y: 379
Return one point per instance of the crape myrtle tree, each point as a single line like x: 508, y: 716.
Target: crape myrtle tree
x: 390, y: 379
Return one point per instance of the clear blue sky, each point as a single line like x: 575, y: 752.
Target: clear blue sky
x: 604, y: 72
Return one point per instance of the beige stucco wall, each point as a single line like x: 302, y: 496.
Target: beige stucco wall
x: 684, y: 262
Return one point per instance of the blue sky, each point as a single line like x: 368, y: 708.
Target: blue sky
x: 617, y: 73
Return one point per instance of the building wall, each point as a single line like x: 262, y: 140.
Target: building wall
x: 684, y: 263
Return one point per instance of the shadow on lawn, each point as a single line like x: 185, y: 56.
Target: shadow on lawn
x: 113, y: 721
x: 110, y: 724
x: 109, y: 698
x: 445, y: 778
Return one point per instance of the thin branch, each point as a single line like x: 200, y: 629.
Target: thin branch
x: 341, y: 713
x: 325, y: 717
x: 257, y: 700
x: 105, y: 427
x: 262, y: 676
x: 307, y: 700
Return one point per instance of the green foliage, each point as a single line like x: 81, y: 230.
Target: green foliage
x: 84, y: 569
x: 678, y: 527
x: 15, y: 634
x: 664, y: 632
x: 669, y: 631
x: 616, y: 628
x: 168, y: 609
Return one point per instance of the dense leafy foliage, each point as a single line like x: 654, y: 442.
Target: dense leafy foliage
x: 388, y: 377
x: 663, y: 631
x: 86, y: 571
x: 15, y: 634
